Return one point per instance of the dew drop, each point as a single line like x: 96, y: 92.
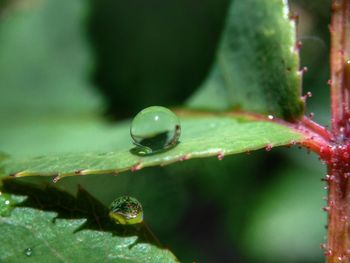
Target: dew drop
x: 154, y: 129
x: 126, y: 210
x: 5, y: 204
x: 28, y: 252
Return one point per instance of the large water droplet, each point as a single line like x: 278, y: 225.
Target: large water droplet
x: 154, y: 129
x: 126, y: 210
x: 28, y: 252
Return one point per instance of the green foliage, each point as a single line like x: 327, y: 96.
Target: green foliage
x: 54, y: 227
x: 51, y: 124
x: 202, y: 136
x: 257, y: 64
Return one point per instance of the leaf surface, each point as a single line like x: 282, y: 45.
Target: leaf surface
x: 48, y: 225
x: 257, y: 64
x: 202, y: 135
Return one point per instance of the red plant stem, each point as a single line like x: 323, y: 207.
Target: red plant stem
x: 339, y: 90
x: 337, y: 155
x: 337, y: 249
x: 317, y: 128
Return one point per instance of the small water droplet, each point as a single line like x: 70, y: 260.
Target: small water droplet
x: 28, y: 252
x: 154, y: 129
x: 5, y: 204
x: 126, y: 210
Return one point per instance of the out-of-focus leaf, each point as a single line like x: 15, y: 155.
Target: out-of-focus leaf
x: 203, y: 135
x: 154, y: 52
x: 45, y: 62
x: 257, y: 65
x: 69, y: 229
x: 287, y: 222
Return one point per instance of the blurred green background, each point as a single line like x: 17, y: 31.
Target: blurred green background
x: 69, y: 70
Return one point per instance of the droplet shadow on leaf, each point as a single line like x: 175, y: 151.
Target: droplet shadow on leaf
x: 145, y: 151
x: 83, y: 206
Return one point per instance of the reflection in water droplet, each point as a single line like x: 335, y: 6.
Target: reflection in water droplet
x: 28, y: 252
x: 126, y: 210
x: 5, y: 204
x: 154, y: 129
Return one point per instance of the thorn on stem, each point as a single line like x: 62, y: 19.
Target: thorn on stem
x: 294, y: 17
x: 268, y: 147
x: 326, y: 208
x: 56, y: 179
x: 303, y: 70
x: 184, y: 157
x: 136, y: 167
x: 328, y: 253
x: 221, y: 155
x: 298, y: 45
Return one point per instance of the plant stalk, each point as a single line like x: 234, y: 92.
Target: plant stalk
x: 338, y: 59
x: 337, y: 248
x: 337, y: 155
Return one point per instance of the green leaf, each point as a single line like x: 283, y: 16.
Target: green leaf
x: 202, y: 135
x: 52, y: 226
x: 257, y: 64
